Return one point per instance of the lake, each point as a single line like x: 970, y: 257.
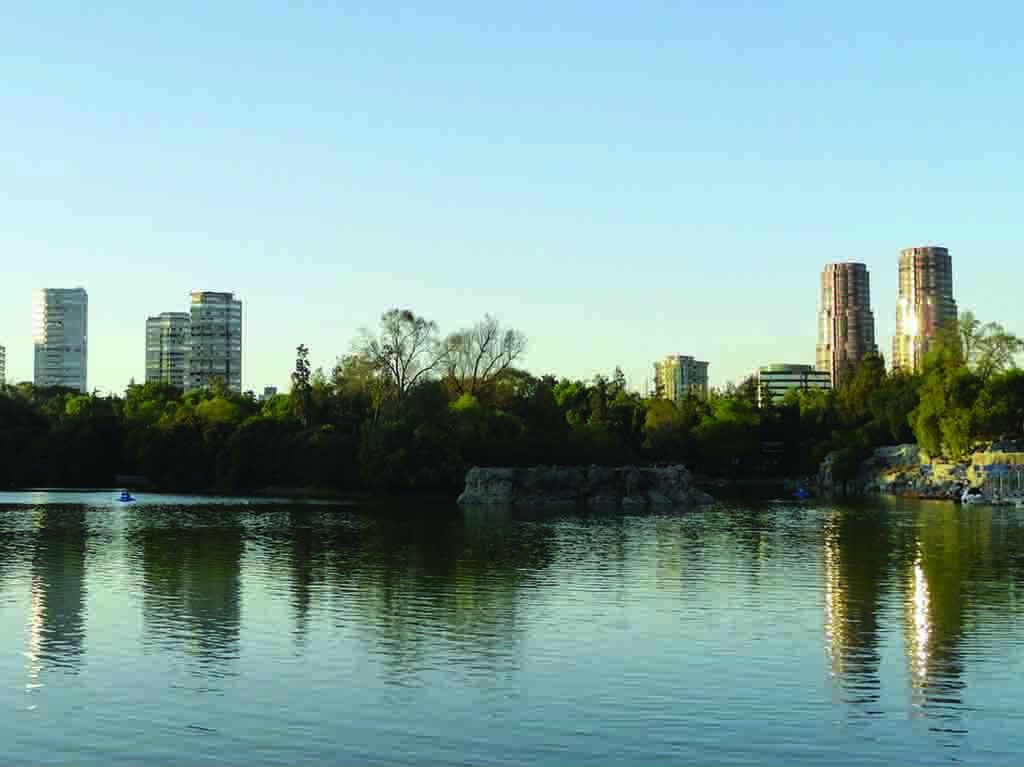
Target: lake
x: 183, y: 630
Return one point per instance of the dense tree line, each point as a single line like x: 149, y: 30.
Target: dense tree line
x: 410, y: 410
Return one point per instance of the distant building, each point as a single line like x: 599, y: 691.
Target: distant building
x: 60, y: 334
x: 677, y: 376
x: 169, y: 348
x: 268, y: 392
x: 3, y: 365
x: 846, y: 324
x: 925, y: 304
x: 774, y: 381
x: 216, y: 340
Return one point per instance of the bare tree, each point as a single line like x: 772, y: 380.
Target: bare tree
x: 475, y: 357
x: 406, y: 349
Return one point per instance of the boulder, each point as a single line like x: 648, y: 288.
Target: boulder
x: 593, y: 487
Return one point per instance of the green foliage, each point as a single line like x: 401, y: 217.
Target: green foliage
x: 855, y: 397
x: 302, y: 388
x: 401, y: 428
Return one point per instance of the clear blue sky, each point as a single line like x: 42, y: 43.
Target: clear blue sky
x: 618, y: 180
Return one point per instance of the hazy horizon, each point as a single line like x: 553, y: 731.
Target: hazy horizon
x: 618, y: 183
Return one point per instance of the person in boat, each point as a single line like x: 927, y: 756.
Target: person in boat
x: 972, y: 495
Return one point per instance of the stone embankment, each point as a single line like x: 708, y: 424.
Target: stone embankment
x: 588, y: 486
x: 897, y: 470
x: 906, y: 470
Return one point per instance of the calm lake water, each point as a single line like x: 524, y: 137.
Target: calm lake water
x: 203, y: 631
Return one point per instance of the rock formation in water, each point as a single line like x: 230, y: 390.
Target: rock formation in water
x: 906, y: 470
x: 591, y: 486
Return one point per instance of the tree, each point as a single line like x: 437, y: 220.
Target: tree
x: 996, y: 349
x: 476, y: 356
x: 301, y: 388
x: 987, y: 349
x: 855, y: 396
x: 970, y: 333
x: 360, y: 384
x: 406, y: 349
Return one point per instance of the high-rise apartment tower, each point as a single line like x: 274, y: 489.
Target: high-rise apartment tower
x: 677, y: 376
x: 846, y: 324
x: 60, y: 333
x: 3, y: 366
x: 168, y: 348
x: 216, y: 340
x: 925, y: 304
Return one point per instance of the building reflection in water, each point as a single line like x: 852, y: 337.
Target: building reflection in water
x: 446, y: 582
x: 857, y: 548
x: 191, y: 562
x: 934, y: 605
x: 58, y: 591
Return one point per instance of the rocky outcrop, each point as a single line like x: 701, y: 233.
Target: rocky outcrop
x: 589, y: 486
x: 899, y: 470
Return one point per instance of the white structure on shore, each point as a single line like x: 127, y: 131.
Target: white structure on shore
x: 60, y: 334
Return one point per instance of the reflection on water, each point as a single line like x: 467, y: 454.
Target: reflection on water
x: 57, y: 625
x: 191, y: 572
x: 428, y: 635
x: 858, y: 545
x: 952, y: 545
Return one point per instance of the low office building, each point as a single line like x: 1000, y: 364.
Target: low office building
x: 677, y: 376
x: 775, y: 381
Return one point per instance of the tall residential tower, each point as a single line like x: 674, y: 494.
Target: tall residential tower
x: 846, y: 324
x: 169, y: 348
x: 60, y: 333
x: 3, y: 366
x: 216, y: 340
x: 925, y: 304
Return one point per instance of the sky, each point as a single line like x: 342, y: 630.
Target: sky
x: 619, y: 181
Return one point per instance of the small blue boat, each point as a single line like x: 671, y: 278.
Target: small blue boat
x: 126, y: 497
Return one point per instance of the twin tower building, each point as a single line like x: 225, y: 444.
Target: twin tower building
x: 187, y: 349
x: 846, y: 324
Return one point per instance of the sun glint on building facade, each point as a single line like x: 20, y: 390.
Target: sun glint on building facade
x: 846, y: 324
x: 677, y: 376
x: 60, y: 334
x: 169, y: 348
x: 774, y: 381
x: 925, y: 304
x: 216, y: 340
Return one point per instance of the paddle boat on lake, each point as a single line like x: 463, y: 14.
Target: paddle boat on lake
x: 972, y: 496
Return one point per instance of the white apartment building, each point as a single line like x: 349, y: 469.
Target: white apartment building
x: 60, y: 334
x: 678, y: 376
x: 169, y: 348
x: 3, y: 366
x: 216, y: 340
